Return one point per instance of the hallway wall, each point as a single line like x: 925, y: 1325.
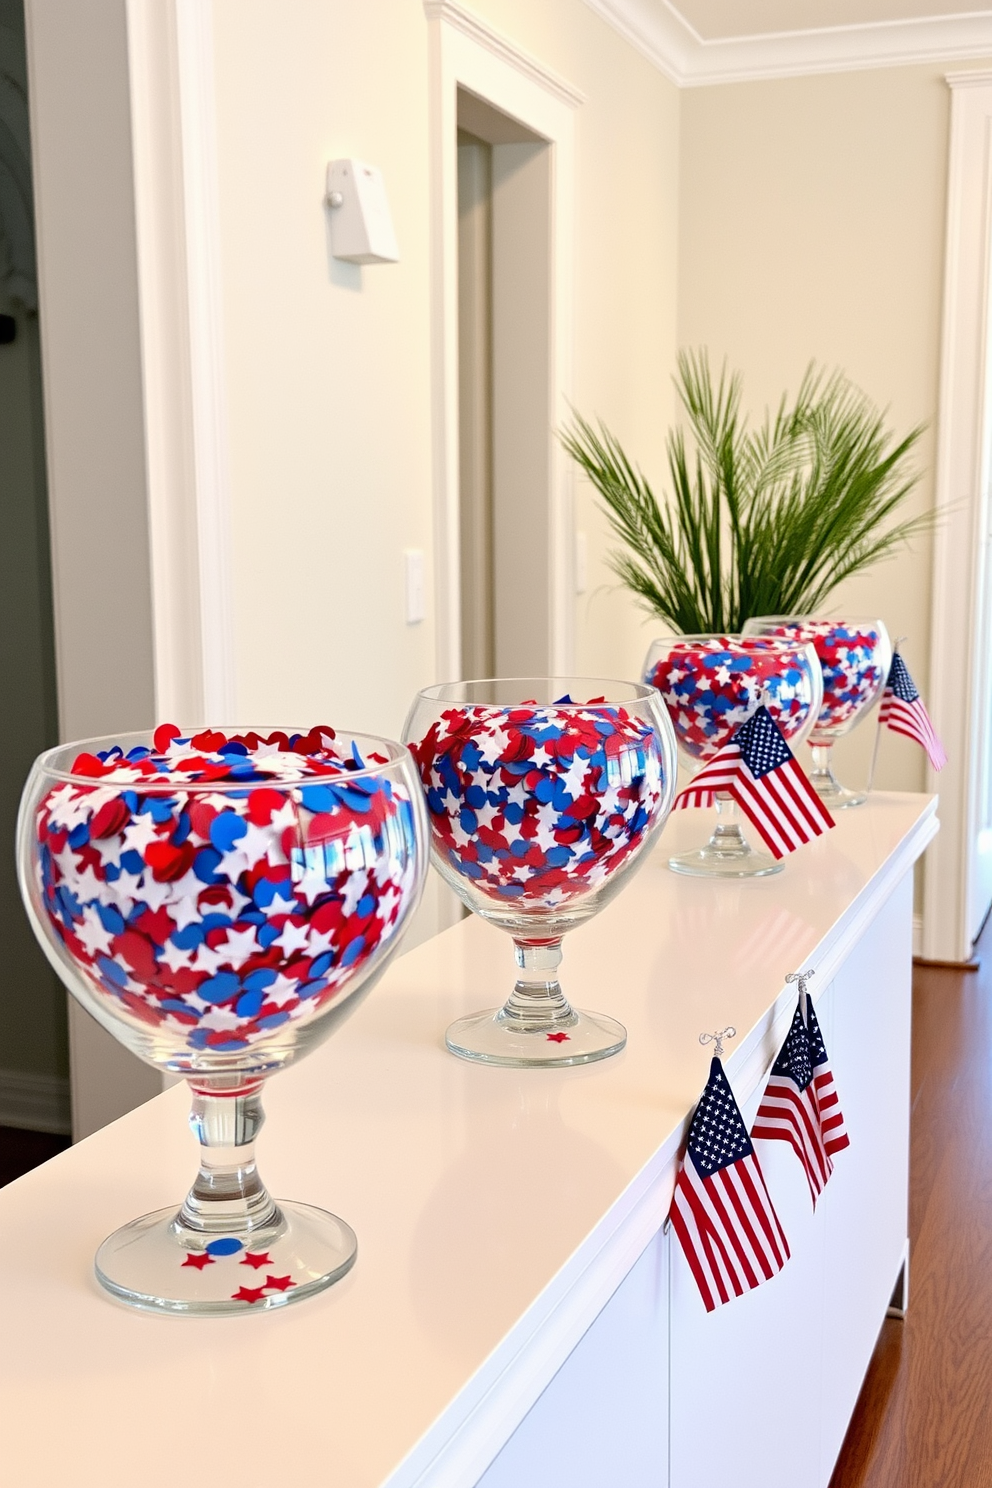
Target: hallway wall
x: 329, y: 364
x: 811, y: 227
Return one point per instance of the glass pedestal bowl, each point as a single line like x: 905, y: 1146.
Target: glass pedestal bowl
x: 220, y: 905
x: 710, y: 684
x: 855, y: 657
x: 540, y: 807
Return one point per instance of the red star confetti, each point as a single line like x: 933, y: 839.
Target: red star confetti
x: 278, y: 1283
x: 558, y: 1038
x: 262, y: 1258
x: 248, y: 1294
x: 198, y: 1259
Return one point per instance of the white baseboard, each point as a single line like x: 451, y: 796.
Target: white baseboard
x: 917, y: 935
x: 35, y: 1102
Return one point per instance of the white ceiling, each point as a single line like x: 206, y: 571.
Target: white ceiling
x: 714, y: 20
x: 699, y: 42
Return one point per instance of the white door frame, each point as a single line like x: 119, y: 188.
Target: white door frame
x: 958, y: 687
x: 466, y: 53
x: 170, y: 62
x: 144, y: 280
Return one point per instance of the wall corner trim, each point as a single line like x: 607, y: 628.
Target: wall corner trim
x: 470, y: 25
x: 958, y: 691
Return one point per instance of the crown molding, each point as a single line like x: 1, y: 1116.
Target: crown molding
x: 657, y: 30
x: 978, y: 77
x: 470, y: 25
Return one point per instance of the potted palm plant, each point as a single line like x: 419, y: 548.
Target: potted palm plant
x: 759, y: 521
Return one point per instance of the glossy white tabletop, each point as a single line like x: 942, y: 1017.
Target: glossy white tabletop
x: 473, y: 1190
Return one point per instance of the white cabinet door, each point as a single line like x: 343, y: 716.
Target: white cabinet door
x: 603, y: 1419
x: 763, y: 1388
x: 743, y: 1378
x: 864, y: 1207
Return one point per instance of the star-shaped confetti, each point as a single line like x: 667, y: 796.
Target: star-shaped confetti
x: 198, y: 1259
x: 259, y: 1259
x: 248, y: 1294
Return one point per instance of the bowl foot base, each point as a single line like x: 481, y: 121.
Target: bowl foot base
x: 837, y: 797
x: 709, y: 862
x: 159, y: 1264
x: 493, y: 1038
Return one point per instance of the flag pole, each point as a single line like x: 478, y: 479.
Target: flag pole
x: 878, y: 721
x: 802, y: 977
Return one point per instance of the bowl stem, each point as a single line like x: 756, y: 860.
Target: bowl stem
x: 537, y: 1001
x: 228, y: 1195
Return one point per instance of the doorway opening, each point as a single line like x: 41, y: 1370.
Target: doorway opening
x: 505, y: 399
x: 34, y: 1057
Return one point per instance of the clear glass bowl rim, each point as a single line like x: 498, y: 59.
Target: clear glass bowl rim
x: 446, y: 692
x: 43, y: 764
x: 800, y: 617
x: 733, y: 635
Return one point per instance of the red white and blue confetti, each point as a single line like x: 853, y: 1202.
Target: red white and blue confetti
x: 539, y: 805
x: 712, y: 684
x: 215, y: 886
x: 850, y: 656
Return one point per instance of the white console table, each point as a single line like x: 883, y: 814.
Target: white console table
x: 517, y: 1317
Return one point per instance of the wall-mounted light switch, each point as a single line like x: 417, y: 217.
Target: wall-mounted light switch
x: 413, y: 559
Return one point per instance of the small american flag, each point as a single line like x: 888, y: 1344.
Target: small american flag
x: 835, y: 1137
x: 903, y: 711
x: 758, y: 769
x: 800, y: 1104
x: 721, y: 1211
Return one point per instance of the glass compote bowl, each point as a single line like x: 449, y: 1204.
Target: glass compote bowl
x: 710, y: 684
x: 855, y: 656
x: 220, y: 905
x: 543, y: 795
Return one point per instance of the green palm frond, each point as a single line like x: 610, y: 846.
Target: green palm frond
x: 757, y: 522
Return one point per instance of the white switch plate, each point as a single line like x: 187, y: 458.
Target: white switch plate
x: 413, y: 559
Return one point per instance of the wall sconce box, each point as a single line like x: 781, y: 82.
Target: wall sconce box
x: 361, y: 224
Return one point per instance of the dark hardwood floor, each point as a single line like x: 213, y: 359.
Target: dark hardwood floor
x: 20, y: 1151
x: 924, y: 1416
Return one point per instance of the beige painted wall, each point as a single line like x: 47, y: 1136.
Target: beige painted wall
x: 329, y: 365
x: 812, y: 226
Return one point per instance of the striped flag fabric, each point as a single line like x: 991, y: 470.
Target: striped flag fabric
x: 904, y: 712
x: 800, y: 1104
x: 721, y: 1210
x: 758, y: 769
x: 832, y: 1124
